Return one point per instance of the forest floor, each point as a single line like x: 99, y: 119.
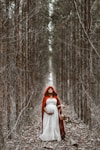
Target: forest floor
x: 78, y: 136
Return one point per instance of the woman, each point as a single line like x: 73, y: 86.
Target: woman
x: 52, y: 126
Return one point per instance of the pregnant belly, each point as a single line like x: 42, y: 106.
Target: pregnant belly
x: 51, y: 108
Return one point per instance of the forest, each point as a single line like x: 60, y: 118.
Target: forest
x: 45, y: 39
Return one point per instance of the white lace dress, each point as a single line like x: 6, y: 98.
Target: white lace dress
x: 51, y: 130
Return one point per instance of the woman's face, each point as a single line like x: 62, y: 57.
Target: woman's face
x: 50, y: 90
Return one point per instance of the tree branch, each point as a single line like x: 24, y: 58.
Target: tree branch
x: 80, y: 21
x: 19, y: 116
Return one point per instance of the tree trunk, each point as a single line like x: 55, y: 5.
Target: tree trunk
x: 1, y: 86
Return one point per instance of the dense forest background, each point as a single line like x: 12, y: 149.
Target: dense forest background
x: 25, y: 41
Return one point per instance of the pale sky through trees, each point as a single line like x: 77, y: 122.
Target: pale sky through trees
x: 50, y: 28
x: 50, y: 25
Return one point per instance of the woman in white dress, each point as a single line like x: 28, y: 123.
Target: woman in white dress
x: 52, y: 126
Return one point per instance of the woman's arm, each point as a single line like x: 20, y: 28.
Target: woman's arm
x: 61, y: 106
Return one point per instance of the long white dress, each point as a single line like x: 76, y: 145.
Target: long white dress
x: 51, y: 130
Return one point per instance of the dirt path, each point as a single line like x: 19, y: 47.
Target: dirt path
x: 78, y: 137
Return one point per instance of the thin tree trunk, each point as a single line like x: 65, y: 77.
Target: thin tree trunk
x: 1, y: 85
